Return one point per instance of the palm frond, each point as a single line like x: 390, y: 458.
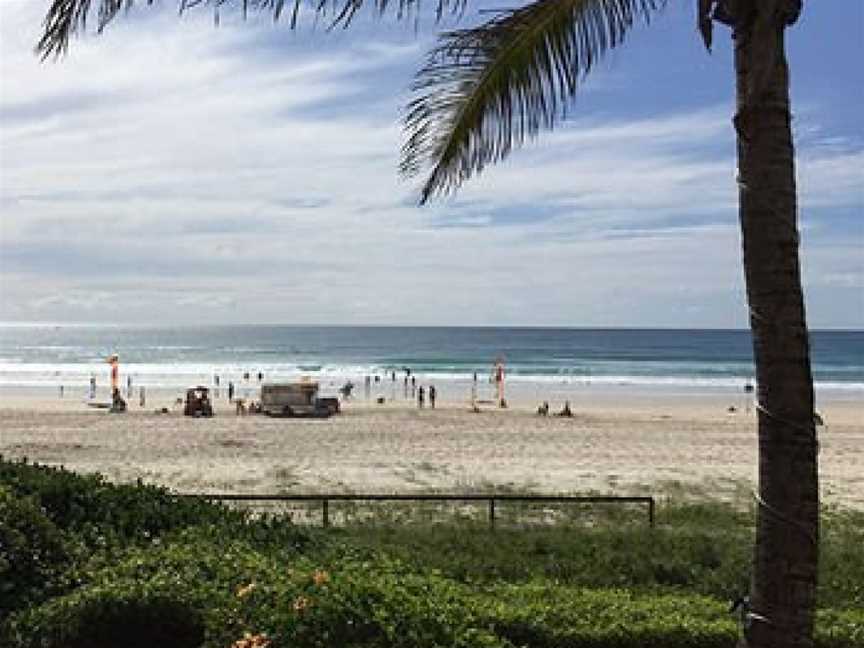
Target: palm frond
x: 67, y: 18
x: 484, y: 89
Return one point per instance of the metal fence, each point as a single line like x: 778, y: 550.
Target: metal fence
x: 490, y: 500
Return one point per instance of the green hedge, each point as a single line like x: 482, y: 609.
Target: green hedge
x: 543, y: 615
x: 33, y: 553
x: 355, y: 601
x: 203, y: 591
x: 102, y: 515
x: 104, y: 512
x: 550, y: 616
x: 93, y: 565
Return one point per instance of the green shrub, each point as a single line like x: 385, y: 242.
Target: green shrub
x: 136, y: 566
x: 715, y: 563
x: 840, y: 628
x: 549, y: 616
x: 841, y: 560
x: 210, y: 592
x: 132, y: 617
x: 543, y: 615
x: 381, y: 602
x: 32, y: 552
x: 105, y: 515
x: 176, y: 589
x: 104, y: 512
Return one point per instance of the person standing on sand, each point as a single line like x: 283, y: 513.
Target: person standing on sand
x: 432, y: 394
x: 92, y: 387
x: 230, y: 391
x: 413, y: 386
x: 421, y: 397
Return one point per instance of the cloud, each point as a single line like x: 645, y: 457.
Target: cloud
x: 168, y: 166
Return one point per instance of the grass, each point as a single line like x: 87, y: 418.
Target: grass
x: 98, y: 565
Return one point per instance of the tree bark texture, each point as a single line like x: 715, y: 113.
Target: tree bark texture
x: 783, y: 587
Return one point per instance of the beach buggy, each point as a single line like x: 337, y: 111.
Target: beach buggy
x: 296, y: 399
x: 198, y: 402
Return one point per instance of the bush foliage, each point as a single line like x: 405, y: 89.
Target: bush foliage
x: 32, y: 552
x: 93, y: 565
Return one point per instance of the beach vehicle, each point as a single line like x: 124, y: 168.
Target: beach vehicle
x: 296, y: 399
x: 198, y: 402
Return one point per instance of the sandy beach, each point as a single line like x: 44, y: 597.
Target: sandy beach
x: 641, y: 444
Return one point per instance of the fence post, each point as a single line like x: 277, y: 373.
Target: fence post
x: 651, y: 512
x: 325, y: 512
x: 492, y: 513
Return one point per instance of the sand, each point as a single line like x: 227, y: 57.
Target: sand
x: 638, y: 444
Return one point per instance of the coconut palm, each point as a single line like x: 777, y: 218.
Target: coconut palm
x: 485, y: 89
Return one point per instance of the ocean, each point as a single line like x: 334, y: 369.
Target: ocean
x: 47, y: 356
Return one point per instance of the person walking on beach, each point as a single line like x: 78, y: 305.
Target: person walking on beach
x: 92, y: 387
x: 413, y: 386
x: 367, y: 386
x: 230, y: 391
x: 432, y: 394
x: 421, y: 397
x: 142, y: 397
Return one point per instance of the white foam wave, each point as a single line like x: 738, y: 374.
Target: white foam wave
x: 179, y: 375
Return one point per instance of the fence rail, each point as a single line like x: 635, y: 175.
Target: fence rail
x: 326, y: 498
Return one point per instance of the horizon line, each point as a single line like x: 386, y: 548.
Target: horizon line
x: 551, y: 327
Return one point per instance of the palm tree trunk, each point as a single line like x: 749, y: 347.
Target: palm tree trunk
x: 783, y: 588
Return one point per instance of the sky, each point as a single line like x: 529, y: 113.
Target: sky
x: 172, y: 172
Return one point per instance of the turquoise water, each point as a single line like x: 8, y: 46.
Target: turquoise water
x: 46, y: 356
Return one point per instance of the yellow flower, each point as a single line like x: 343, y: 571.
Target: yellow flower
x: 252, y: 641
x: 320, y: 577
x: 245, y: 591
x: 301, y: 604
x: 260, y: 641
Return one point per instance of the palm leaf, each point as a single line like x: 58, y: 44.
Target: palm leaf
x: 66, y: 18
x: 484, y: 89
